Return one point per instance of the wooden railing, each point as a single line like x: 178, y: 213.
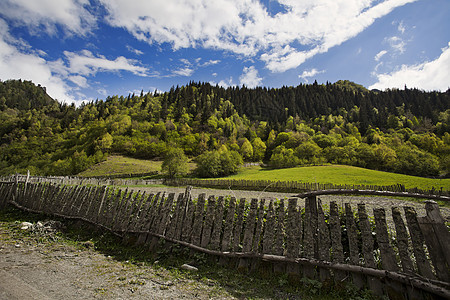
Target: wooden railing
x: 341, y: 244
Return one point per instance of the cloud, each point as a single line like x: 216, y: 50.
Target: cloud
x: 308, y: 74
x: 245, y: 27
x: 71, y: 15
x: 183, y: 71
x: 58, y: 76
x: 397, y: 43
x: 135, y: 51
x: 87, y: 64
x: 250, y: 77
x: 432, y: 75
x: 380, y: 55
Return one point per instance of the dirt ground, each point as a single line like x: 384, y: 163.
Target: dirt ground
x: 32, y: 267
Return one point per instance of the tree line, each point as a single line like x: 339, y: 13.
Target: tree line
x: 404, y: 131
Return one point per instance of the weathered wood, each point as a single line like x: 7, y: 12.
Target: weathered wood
x: 352, y: 237
x: 228, y: 229
x: 209, y: 221
x: 418, y: 242
x: 323, y: 241
x: 441, y: 240
x: 237, y: 230
x: 367, y: 248
x: 199, y: 215
x: 188, y: 220
x: 146, y: 218
x: 249, y: 230
x: 310, y: 234
x: 183, y: 213
x: 165, y: 214
x: 269, y: 230
x: 172, y: 227
x: 217, y: 225
x: 388, y: 260
x: 293, y: 238
x: 402, y: 241
x: 257, y: 240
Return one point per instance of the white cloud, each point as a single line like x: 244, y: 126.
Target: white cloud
x: 380, y: 55
x: 57, y: 76
x: 308, y: 74
x: 397, y: 43
x: 250, y: 77
x: 432, y: 75
x: 71, y: 15
x: 283, y: 41
x: 85, y: 63
x: 183, y: 71
x: 135, y: 51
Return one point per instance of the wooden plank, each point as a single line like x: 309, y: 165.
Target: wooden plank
x: 147, y: 218
x: 199, y: 215
x: 418, y: 242
x: 367, y: 248
x: 165, y: 214
x: 402, y: 241
x: 337, y: 250
x: 208, y: 223
x: 352, y: 236
x: 183, y: 213
x: 269, y: 230
x: 310, y: 238
x: 257, y: 240
x: 217, y: 224
x: 293, y: 238
x: 237, y: 230
x: 188, y: 221
x: 388, y: 260
x: 171, y: 228
x: 249, y: 231
x: 442, y: 235
x: 324, y: 241
x: 228, y: 229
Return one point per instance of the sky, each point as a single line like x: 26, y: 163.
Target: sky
x: 82, y: 50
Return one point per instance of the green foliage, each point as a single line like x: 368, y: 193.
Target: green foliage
x: 340, y: 123
x: 175, y: 163
x: 218, y: 163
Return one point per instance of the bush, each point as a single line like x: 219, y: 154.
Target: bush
x: 218, y: 163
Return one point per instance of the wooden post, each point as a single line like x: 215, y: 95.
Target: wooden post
x: 209, y: 221
x: 249, y: 231
x: 323, y: 241
x: 217, y: 225
x: 402, y: 241
x: 352, y: 235
x: 198, y: 220
x: 437, y: 238
x: 310, y: 238
x: 293, y: 238
x: 336, y: 241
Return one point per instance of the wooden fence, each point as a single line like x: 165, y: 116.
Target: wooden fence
x: 75, y: 180
x: 293, y: 186
x: 409, y: 261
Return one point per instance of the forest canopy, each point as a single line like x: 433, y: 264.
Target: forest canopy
x: 404, y: 131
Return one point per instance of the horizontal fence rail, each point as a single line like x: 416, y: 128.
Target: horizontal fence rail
x: 409, y: 260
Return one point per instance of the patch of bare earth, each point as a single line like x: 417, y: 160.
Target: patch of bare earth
x: 35, y: 265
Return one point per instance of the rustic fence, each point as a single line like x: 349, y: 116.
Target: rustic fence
x: 409, y: 261
x: 293, y: 186
x: 75, y: 180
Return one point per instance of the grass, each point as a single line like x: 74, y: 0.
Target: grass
x: 340, y: 174
x: 117, y: 164
x: 164, y: 265
x: 335, y: 174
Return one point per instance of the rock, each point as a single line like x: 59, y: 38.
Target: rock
x: 189, y: 267
x: 39, y: 224
x: 26, y: 225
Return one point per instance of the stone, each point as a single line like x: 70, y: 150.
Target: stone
x: 189, y: 267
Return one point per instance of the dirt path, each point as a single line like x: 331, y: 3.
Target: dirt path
x: 31, y: 268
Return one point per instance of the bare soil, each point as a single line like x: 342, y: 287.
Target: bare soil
x: 37, y: 265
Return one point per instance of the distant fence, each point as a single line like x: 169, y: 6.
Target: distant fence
x: 75, y: 180
x: 410, y: 261
x: 293, y: 186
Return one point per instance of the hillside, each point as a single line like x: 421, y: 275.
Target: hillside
x: 402, y: 131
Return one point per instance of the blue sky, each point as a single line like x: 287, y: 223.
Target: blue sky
x: 88, y: 49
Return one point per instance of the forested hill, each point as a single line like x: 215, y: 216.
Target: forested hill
x: 405, y: 131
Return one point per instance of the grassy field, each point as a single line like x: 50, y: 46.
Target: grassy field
x: 338, y: 174
x: 335, y: 174
x: 116, y: 164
